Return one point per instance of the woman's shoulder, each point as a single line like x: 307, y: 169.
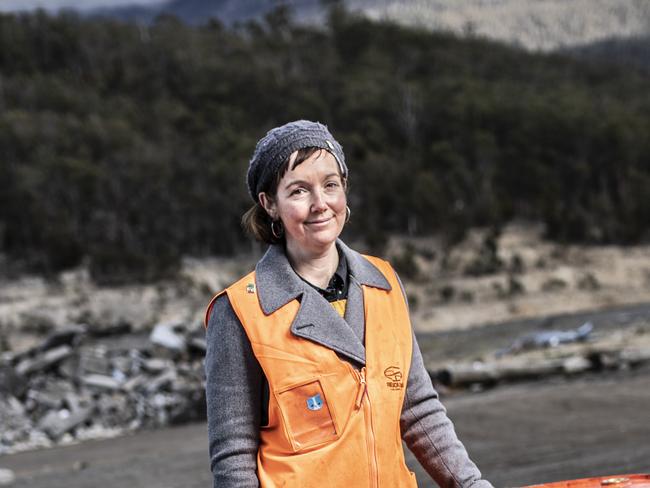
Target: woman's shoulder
x: 221, y: 298
x: 218, y: 304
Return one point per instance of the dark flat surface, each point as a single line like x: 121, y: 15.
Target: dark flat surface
x: 556, y: 430
x: 518, y: 435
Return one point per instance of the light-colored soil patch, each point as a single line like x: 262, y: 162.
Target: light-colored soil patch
x: 534, y: 278
x: 33, y: 306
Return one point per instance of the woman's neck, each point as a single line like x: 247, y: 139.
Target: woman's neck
x: 317, y: 269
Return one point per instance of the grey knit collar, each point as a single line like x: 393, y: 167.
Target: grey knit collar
x: 316, y: 320
x: 278, y: 284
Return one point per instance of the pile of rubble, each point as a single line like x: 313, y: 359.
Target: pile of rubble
x: 81, y: 383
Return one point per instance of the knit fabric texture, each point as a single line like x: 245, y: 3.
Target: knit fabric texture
x: 279, y: 143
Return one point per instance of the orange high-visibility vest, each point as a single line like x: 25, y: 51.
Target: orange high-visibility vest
x: 331, y: 425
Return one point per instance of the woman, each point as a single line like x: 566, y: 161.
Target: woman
x: 313, y: 374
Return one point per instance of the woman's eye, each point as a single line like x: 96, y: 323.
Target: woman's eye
x: 332, y: 184
x: 296, y: 191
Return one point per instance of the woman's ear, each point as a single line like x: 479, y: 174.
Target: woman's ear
x: 268, y: 203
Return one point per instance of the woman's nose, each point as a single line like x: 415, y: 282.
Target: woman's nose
x: 318, y: 203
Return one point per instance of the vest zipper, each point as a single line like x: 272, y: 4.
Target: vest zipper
x: 362, y: 387
x: 370, y: 433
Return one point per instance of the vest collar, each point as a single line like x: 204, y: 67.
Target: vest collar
x: 316, y: 320
x: 278, y: 284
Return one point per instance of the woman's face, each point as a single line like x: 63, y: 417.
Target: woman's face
x: 310, y: 202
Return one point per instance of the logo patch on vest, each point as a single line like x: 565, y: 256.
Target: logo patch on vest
x: 315, y: 402
x: 395, y: 376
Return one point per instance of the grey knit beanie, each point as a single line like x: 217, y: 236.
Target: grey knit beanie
x: 280, y: 142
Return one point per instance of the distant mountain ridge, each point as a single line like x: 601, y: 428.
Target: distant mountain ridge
x: 533, y: 24
x: 227, y: 11
x: 633, y: 52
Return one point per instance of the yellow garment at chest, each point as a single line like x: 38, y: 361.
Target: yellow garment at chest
x: 339, y: 306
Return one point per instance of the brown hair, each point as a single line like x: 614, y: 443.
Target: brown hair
x: 256, y: 222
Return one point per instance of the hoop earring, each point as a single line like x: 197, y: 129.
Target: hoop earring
x: 276, y: 233
x: 348, y: 212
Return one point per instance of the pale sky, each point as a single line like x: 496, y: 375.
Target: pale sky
x: 18, y: 5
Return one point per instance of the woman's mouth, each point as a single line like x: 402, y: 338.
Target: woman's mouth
x: 318, y: 221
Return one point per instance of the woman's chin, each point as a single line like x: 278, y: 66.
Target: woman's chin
x: 317, y: 240
x: 321, y: 242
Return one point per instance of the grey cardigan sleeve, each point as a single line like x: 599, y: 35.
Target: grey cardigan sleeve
x: 430, y: 434
x: 233, y: 396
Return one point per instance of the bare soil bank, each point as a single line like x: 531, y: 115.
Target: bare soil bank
x: 517, y: 275
x: 518, y: 435
x: 523, y: 276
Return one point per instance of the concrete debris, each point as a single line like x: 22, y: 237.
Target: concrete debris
x: 46, y: 399
x: 198, y: 344
x: 169, y: 335
x: 68, y: 336
x: 635, y: 356
x: 44, y: 361
x: 550, y: 338
x: 58, y: 422
x: 122, y: 366
x: 79, y: 383
x: 156, y: 365
x: 10, y: 382
x: 162, y: 381
x: 70, y: 366
x: 101, y: 382
x: 94, y: 361
x: 134, y: 383
x: 73, y: 401
x: 115, y: 410
x: 576, y: 364
x: 15, y: 423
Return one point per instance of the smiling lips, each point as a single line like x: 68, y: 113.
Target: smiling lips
x: 322, y: 221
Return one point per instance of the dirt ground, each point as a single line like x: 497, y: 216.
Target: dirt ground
x: 518, y: 435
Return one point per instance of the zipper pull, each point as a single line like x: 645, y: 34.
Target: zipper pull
x: 362, y: 387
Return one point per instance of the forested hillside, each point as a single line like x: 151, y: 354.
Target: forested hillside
x: 127, y: 145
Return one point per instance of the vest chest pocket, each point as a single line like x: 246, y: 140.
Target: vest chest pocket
x: 306, y: 414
